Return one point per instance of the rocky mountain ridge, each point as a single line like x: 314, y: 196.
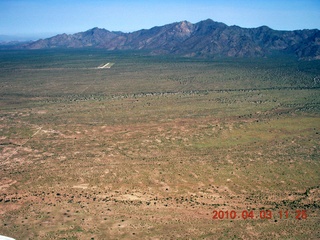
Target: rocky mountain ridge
x: 204, y: 39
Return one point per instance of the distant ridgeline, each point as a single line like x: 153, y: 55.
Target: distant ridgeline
x: 204, y: 39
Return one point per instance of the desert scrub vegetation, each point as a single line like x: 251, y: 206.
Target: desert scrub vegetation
x: 150, y: 147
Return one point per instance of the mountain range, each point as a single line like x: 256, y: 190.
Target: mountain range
x: 204, y: 39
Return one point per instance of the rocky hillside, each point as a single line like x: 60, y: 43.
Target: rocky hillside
x: 206, y: 38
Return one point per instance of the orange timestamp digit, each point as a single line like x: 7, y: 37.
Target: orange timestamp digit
x: 262, y: 214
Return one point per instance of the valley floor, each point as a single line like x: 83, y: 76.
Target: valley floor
x: 155, y: 149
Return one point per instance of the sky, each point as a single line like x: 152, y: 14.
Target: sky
x: 42, y: 18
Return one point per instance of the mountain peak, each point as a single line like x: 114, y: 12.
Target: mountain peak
x: 185, y: 27
x: 265, y: 28
x: 185, y: 22
x: 212, y: 22
x: 96, y: 29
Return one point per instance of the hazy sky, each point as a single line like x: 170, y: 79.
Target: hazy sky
x: 47, y: 18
